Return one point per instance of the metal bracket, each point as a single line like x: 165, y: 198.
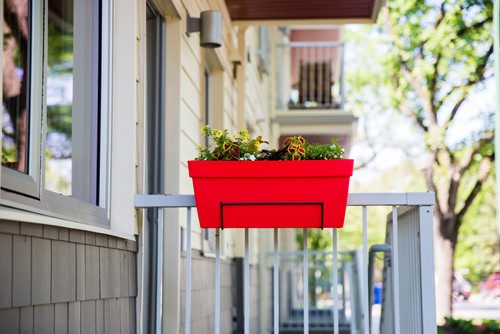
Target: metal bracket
x: 222, y: 204
x: 193, y: 25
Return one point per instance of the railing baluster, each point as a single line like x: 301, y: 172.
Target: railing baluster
x: 312, y: 71
x: 306, y: 283
x: 335, y: 284
x: 328, y: 74
x: 217, y: 282
x: 187, y: 319
x: 366, y: 289
x: 276, y: 305
x: 159, y: 276
x: 342, y: 77
x: 321, y: 65
x: 246, y: 285
x: 395, y: 269
x: 304, y: 76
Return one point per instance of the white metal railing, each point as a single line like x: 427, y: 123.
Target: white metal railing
x: 321, y: 308
x: 310, y: 75
x: 422, y: 202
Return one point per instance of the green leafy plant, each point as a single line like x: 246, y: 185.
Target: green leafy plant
x: 235, y: 147
x: 462, y: 326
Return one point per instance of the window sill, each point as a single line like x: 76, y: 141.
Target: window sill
x: 7, y: 213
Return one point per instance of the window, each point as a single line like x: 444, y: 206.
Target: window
x: 53, y: 133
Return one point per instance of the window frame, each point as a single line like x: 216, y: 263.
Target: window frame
x: 27, y: 191
x: 29, y: 183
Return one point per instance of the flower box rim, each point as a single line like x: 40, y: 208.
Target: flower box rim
x: 270, y: 168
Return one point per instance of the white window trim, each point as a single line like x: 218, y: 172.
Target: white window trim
x: 7, y: 213
x: 26, y: 192
x: 29, y: 184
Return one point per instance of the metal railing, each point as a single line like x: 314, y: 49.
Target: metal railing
x: 310, y: 75
x: 423, y: 266
x: 321, y: 290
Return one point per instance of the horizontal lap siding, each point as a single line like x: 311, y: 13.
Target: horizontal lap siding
x: 55, y: 280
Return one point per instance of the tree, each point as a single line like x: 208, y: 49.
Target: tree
x: 436, y: 54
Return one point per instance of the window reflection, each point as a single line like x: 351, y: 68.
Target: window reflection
x: 58, y: 149
x: 15, y: 77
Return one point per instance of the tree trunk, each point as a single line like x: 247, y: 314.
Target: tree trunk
x: 445, y: 236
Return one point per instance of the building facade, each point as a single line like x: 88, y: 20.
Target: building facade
x: 103, y: 100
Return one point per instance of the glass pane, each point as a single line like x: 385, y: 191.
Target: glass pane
x: 15, y: 113
x: 58, y: 149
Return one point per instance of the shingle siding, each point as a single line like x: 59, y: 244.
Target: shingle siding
x: 203, y: 295
x: 56, y: 280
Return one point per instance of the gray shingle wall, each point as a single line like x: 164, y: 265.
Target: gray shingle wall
x: 56, y: 280
x: 203, y: 296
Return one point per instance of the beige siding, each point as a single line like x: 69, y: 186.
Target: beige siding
x: 224, y: 91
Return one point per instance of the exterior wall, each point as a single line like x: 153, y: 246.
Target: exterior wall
x: 313, y: 35
x: 202, y: 296
x: 56, y: 280
x: 257, y: 93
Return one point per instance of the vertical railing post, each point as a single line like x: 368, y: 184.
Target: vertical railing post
x: 159, y: 269
x: 276, y: 302
x: 427, y: 270
x: 320, y: 82
x: 312, y: 74
x: 303, y: 76
x: 187, y: 315
x: 305, y: 279
x: 217, y: 282
x: 246, y: 286
x: 366, y: 290
x: 328, y: 77
x: 395, y: 269
x: 342, y: 67
x: 335, y: 284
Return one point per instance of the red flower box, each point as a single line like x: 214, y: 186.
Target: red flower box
x: 271, y: 194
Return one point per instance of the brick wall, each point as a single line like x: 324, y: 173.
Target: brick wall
x: 56, y: 280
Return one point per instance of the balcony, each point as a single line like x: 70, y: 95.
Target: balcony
x: 324, y: 292
x: 311, y: 75
x: 310, y: 87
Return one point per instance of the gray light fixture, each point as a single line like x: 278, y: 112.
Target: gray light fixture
x: 209, y: 25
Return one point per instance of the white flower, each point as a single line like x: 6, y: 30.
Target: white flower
x: 249, y: 156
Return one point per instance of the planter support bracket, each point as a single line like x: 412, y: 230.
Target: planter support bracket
x: 223, y: 204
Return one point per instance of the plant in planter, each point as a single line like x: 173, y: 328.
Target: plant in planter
x: 238, y: 183
x: 240, y: 147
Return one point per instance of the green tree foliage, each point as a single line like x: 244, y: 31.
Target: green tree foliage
x: 478, y: 247
x: 425, y: 60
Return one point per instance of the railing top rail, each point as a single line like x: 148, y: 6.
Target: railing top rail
x: 311, y: 253
x: 310, y: 44
x: 355, y: 199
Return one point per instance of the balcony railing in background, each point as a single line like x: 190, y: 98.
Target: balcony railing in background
x: 310, y: 75
x: 408, y: 304
x: 321, y: 299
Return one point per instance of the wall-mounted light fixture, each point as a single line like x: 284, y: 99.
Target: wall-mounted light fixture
x: 209, y: 25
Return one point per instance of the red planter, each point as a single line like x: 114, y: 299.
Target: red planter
x: 269, y: 194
